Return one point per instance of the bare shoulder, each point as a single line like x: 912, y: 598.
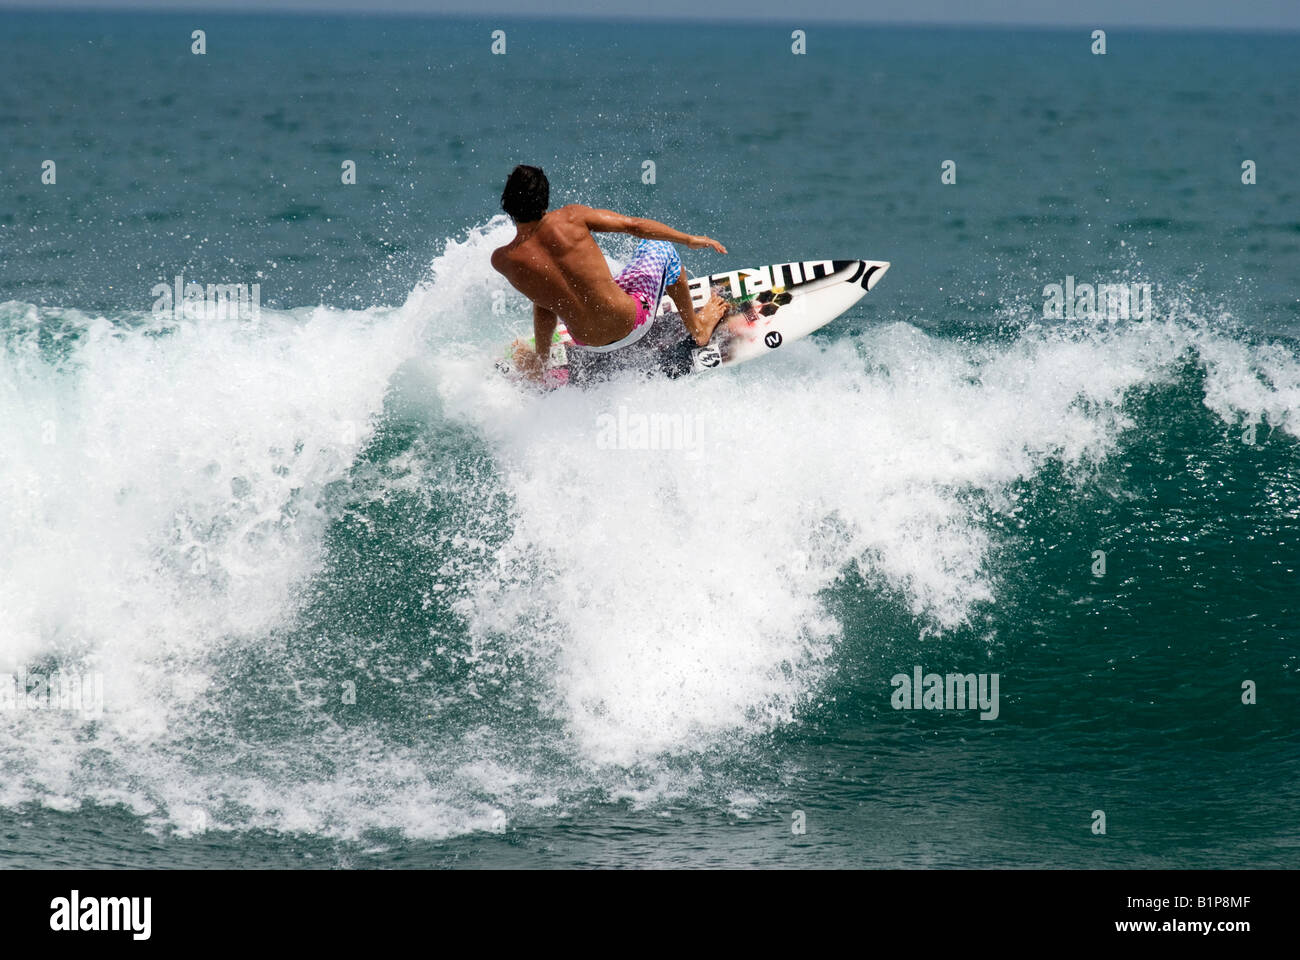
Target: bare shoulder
x: 601, y: 221
x: 499, y: 259
x: 562, y: 220
x: 563, y: 226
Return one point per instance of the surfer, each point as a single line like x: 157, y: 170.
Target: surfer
x: 554, y: 261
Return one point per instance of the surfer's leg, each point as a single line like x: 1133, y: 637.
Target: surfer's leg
x: 655, y: 269
x: 680, y: 291
x: 653, y: 266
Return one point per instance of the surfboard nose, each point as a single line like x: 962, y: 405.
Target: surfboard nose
x: 873, y: 270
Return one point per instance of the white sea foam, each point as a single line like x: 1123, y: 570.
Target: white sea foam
x: 673, y: 598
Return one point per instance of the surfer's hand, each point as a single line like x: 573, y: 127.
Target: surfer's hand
x: 700, y: 242
x: 527, y: 361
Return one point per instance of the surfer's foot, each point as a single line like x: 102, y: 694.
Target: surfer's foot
x: 707, y: 319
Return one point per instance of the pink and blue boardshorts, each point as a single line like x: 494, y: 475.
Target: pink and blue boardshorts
x: 653, y: 267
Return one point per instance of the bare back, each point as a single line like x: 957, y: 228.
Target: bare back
x: 559, y: 267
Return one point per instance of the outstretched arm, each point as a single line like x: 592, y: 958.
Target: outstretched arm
x: 607, y: 221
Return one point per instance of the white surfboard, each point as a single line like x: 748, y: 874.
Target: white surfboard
x: 767, y: 308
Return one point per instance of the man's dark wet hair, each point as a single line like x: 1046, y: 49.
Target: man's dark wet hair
x: 527, y: 194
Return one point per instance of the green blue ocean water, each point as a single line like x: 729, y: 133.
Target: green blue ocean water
x: 354, y: 601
